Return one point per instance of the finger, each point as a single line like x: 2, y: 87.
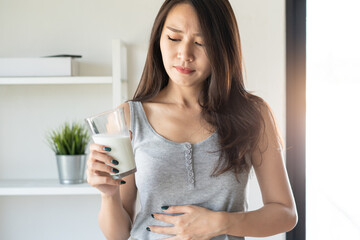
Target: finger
x: 101, y: 167
x: 165, y: 218
x: 91, y: 171
x: 102, y: 157
x: 96, y: 180
x: 90, y: 174
x: 99, y: 148
x: 163, y: 230
x: 178, y: 209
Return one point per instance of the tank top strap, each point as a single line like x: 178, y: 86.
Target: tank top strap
x: 137, y: 117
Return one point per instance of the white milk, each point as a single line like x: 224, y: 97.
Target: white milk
x: 121, y: 150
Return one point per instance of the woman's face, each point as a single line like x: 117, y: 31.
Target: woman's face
x: 182, y: 47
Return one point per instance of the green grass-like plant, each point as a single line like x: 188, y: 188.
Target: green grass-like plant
x: 69, y: 139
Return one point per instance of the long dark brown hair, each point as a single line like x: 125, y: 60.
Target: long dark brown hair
x: 226, y: 105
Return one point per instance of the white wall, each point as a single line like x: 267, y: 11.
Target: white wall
x: 262, y: 31
x: 86, y: 27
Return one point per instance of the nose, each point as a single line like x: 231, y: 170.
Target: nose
x: 185, y: 52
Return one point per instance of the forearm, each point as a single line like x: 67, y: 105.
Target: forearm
x: 114, y: 221
x: 269, y: 220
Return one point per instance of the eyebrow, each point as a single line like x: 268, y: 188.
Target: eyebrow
x: 179, y: 31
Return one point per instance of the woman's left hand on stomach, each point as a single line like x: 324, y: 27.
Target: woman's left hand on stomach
x: 194, y: 223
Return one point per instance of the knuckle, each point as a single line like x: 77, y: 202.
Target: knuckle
x: 89, y: 163
x: 191, y: 209
x: 107, y: 180
x: 93, y: 147
x: 91, y: 157
x: 93, y: 165
x: 110, y: 181
x: 101, y: 157
x: 179, y: 222
x: 96, y: 147
x: 181, y: 231
x: 89, y: 180
x: 95, y: 154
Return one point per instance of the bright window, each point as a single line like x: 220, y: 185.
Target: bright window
x: 333, y: 120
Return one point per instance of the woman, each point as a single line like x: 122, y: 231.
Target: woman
x: 196, y: 133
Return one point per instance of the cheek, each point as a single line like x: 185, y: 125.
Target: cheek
x: 206, y: 66
x: 165, y: 53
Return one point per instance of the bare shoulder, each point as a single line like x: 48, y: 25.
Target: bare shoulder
x: 270, y: 140
x: 270, y: 125
x: 264, y: 108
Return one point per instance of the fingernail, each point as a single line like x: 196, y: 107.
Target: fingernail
x: 164, y: 207
x: 115, y: 170
x: 148, y: 229
x: 122, y: 182
x: 152, y: 215
x: 114, y: 162
x: 107, y: 149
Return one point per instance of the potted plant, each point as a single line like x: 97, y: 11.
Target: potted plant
x: 69, y: 143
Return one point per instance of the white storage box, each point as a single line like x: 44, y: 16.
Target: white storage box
x: 38, y: 67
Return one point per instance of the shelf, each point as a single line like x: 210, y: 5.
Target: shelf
x: 55, y: 80
x: 43, y: 187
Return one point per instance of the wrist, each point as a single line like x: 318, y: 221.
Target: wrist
x: 232, y: 222
x: 111, y: 197
x: 223, y: 220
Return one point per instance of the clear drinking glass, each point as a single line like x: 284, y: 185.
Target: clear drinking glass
x: 109, y: 128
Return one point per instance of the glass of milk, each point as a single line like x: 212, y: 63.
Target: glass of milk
x: 109, y: 129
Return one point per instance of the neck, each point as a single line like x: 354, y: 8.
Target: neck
x: 182, y: 96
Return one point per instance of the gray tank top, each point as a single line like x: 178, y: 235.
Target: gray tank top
x: 171, y: 173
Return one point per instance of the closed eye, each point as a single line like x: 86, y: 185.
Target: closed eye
x: 173, y: 39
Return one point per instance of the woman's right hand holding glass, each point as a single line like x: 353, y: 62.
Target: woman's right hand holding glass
x: 99, y: 173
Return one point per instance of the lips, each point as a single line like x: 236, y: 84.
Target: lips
x: 184, y: 70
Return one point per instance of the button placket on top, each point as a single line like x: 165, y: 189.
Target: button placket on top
x: 189, y: 164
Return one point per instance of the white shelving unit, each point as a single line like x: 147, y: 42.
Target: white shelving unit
x: 26, y: 187
x: 29, y: 187
x: 54, y: 80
